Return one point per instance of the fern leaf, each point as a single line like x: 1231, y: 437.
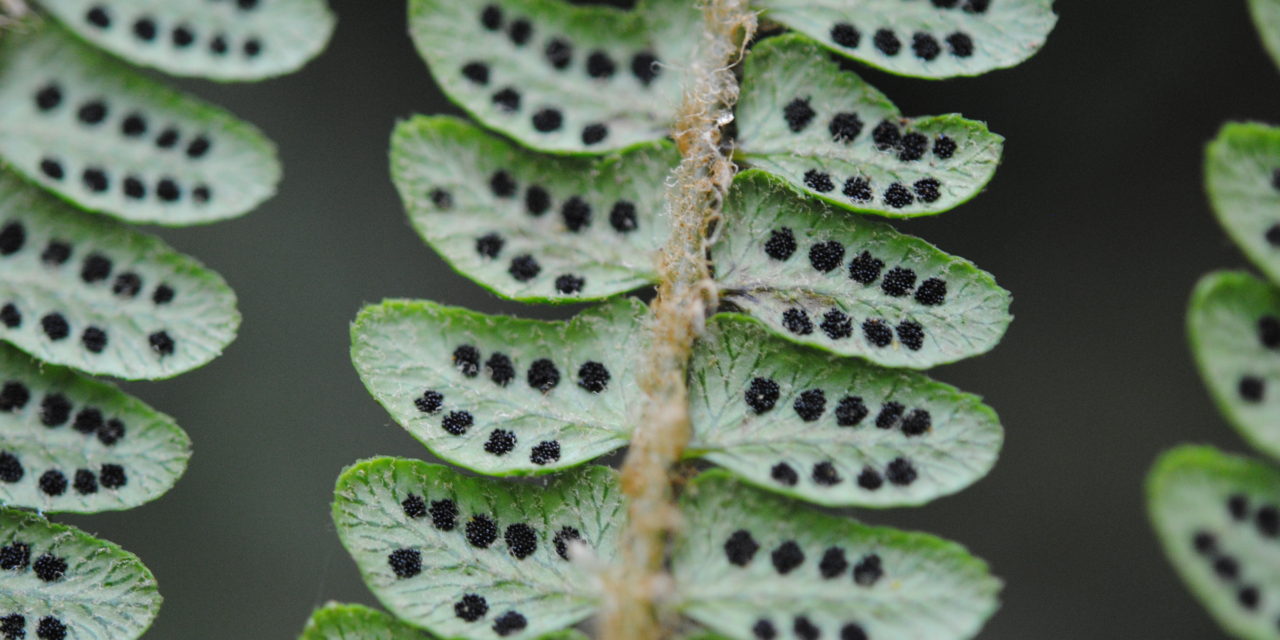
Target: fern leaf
x: 336, y: 621
x: 1266, y: 17
x: 1242, y: 174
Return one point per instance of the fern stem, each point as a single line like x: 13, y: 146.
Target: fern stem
x: 686, y: 295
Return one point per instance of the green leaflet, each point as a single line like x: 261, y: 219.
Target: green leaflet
x: 501, y: 395
x: 849, y: 285
x: 528, y: 226
x: 750, y: 562
x: 83, y: 291
x: 937, y: 39
x: 336, y: 621
x: 1234, y: 323
x: 1242, y: 174
x: 478, y: 558
x: 832, y: 430
x: 1266, y: 16
x: 831, y: 134
x: 558, y: 77
x: 68, y: 443
x: 55, y: 578
x: 111, y: 140
x: 1217, y: 516
x: 240, y: 40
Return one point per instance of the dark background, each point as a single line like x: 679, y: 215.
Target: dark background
x: 1097, y: 222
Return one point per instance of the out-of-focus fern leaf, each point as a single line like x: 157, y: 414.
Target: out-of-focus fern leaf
x: 59, y: 582
x: 559, y: 77
x: 533, y: 227
x: 849, y: 285
x: 228, y: 40
x: 1242, y: 174
x: 478, y: 558
x: 1266, y: 16
x: 502, y: 395
x: 935, y: 39
x: 832, y: 430
x: 831, y: 134
x: 1219, y: 518
x: 83, y: 291
x: 68, y: 443
x: 111, y: 140
x: 752, y: 565
x: 336, y: 621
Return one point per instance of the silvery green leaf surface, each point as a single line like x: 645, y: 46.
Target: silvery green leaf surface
x: 1242, y: 174
x: 559, y: 77
x: 529, y: 226
x: 111, y: 140
x: 935, y: 39
x: 479, y: 558
x: 336, y: 621
x: 834, y: 136
x: 832, y: 430
x: 228, y: 40
x: 1266, y: 16
x: 750, y: 564
x: 850, y: 285
x: 501, y: 395
x: 59, y: 582
x: 89, y: 293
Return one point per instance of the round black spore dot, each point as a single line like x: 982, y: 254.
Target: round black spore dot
x: 911, y: 335
x: 600, y: 65
x: 547, y: 120
x: 521, y: 540
x: 13, y: 626
x: 576, y: 213
x: 11, y: 469
x: 563, y: 538
x: 853, y: 631
x: 781, y: 244
x: 833, y: 563
x: 489, y: 245
x: 134, y: 188
x: 94, y: 339
x: 887, y: 42
x: 593, y: 377
x: 1248, y: 597
x: 406, y: 563
x: 536, y: 200
x: 1275, y: 179
x: 53, y: 482
x: 93, y: 112
x: 15, y: 555
x: 477, y: 72
x: 163, y: 294
x: 925, y: 46
x: 509, y: 623
x: 48, y: 97
x: 500, y: 442
x: 443, y: 200
x: 1269, y: 332
x: 797, y: 321
x: 471, y: 607
x: 886, y: 135
x: 644, y: 66
x: 429, y: 402
x: 55, y: 410
x: 857, y: 189
x: 851, y: 411
x: 594, y: 133
x: 900, y: 472
x: 95, y: 179
x: 961, y: 44
x: 798, y: 114
x: 444, y: 514
x: 622, y: 217
x: 1226, y: 567
x: 805, y: 629
x: 898, y: 282
x: 466, y: 359
x: 10, y: 316
x: 897, y: 196
x: 85, y: 482
x: 111, y: 432
x: 98, y: 16
x: 917, y: 423
x: 976, y: 6
x: 201, y: 193
x: 88, y: 420
x: 762, y: 394
x: 1252, y: 388
x: 933, y: 292
x: 507, y: 99
x: 826, y: 256
x: 144, y: 29
x: 912, y: 147
x: 96, y: 268
x: 49, y: 568
x: 55, y: 326
x: 543, y: 375
x: 252, y: 47
x: 545, y: 452
x: 456, y: 423
x: 414, y: 506
x: 1268, y: 521
x: 167, y: 139
x: 810, y: 404
x: 928, y: 189
x: 889, y: 415
x: 877, y: 332
x: 869, y: 570
x: 247, y: 5
x: 787, y: 557
x: 112, y: 476
x: 502, y: 184
x: 14, y: 396
x: 491, y: 17
x: 520, y: 32
x: 56, y: 253
x: 481, y: 531
x: 844, y: 127
x: 836, y: 325
x: 168, y: 190
x: 1204, y: 543
x: 945, y: 4
x: 818, y: 181
x: 559, y: 53
x: 161, y: 343
x: 784, y: 474
x: 52, y: 169
x: 127, y: 285
x: 182, y: 37
x: 944, y: 147
x: 846, y: 35
x: 740, y: 548
x: 51, y: 628
x: 825, y: 474
x: 500, y: 369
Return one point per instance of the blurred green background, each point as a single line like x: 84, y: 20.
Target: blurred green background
x: 1096, y: 222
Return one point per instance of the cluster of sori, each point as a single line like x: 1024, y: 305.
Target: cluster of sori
x: 1217, y: 514
x: 802, y: 387
x: 88, y: 142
